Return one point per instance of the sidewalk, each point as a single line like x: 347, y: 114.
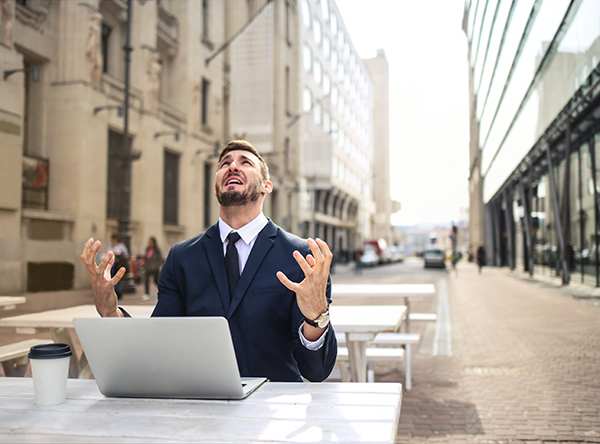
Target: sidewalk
x: 525, y: 366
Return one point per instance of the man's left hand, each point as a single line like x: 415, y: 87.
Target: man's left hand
x: 311, y: 292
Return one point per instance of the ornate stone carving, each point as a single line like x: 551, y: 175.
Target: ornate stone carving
x: 153, y: 69
x: 6, y: 22
x: 33, y: 18
x: 93, y: 52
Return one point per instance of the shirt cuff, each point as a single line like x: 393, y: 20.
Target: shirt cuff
x: 312, y: 345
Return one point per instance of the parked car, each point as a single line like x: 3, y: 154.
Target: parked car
x: 434, y: 257
x: 369, y: 258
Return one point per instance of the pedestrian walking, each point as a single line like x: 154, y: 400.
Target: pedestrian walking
x: 153, y: 261
x: 480, y: 256
x: 358, y: 262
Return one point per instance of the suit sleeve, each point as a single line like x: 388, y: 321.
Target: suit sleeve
x: 317, y: 365
x: 170, y: 295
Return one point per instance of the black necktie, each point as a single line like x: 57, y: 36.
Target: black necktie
x: 232, y: 264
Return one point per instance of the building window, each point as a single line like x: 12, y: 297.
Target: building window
x: 205, y: 19
x: 204, y: 103
x: 106, y: 30
x: 318, y: 72
x: 326, y: 47
x: 287, y: 90
x: 325, y: 9
x: 307, y: 58
x: 317, y: 32
x: 305, y: 14
x: 208, y: 194
x: 288, y: 23
x: 306, y: 100
x: 171, y: 189
x: 113, y: 181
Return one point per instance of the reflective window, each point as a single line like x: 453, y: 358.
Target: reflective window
x: 547, y: 21
x: 317, y: 113
x: 307, y: 58
x: 334, y: 96
x: 472, y: 8
x: 485, y: 35
x: 334, y: 60
x: 334, y: 129
x: 306, y: 99
x: 477, y: 28
x: 325, y: 9
x: 318, y: 72
x: 347, y: 51
x: 317, y: 32
x: 341, y: 105
x: 342, y: 70
x: 326, y: 47
x: 492, y: 57
x: 333, y: 25
x: 305, y: 14
x: 509, y: 49
x: 326, y: 84
x: 341, y: 39
x: 326, y: 121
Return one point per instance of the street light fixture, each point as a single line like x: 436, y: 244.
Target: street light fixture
x: 117, y: 107
x: 35, y: 73
x: 166, y: 133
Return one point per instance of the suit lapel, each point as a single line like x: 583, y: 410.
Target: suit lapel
x: 264, y: 242
x: 214, y: 252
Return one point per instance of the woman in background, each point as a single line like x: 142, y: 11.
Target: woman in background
x: 153, y: 261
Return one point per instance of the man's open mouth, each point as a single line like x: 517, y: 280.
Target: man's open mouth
x: 233, y: 181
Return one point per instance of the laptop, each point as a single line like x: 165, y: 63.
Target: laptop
x: 163, y: 357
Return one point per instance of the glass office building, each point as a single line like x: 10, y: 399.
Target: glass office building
x: 535, y: 130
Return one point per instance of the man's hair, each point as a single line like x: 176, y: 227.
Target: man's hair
x: 115, y: 236
x: 244, y: 145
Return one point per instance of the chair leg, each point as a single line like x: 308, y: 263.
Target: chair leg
x: 370, y: 372
x: 407, y: 371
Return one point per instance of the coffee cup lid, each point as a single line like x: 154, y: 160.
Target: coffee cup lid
x: 49, y: 351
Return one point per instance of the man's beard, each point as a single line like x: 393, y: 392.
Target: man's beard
x: 239, y: 198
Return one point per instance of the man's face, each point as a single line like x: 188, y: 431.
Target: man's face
x: 239, y: 180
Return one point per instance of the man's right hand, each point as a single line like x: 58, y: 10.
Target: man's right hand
x: 102, y: 284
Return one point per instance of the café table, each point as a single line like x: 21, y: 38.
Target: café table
x: 11, y: 302
x: 403, y: 293
x: 59, y: 322
x: 276, y: 412
x: 361, y: 323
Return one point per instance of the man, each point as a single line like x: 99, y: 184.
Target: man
x: 277, y: 311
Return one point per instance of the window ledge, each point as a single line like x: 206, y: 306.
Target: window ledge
x: 47, y: 215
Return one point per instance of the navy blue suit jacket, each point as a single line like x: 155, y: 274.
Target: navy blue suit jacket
x: 263, y: 315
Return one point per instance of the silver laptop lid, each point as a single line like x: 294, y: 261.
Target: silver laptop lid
x: 163, y: 357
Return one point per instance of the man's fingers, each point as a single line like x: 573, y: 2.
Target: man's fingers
x: 285, y: 281
x: 311, y: 260
x: 326, y: 251
x: 86, y: 249
x: 93, y: 251
x: 316, y: 251
x: 117, y: 277
x: 106, y: 263
x: 306, y: 268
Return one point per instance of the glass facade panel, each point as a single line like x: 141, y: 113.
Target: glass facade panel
x: 481, y: 9
x: 472, y: 9
x: 509, y: 49
x: 488, y: 22
x: 546, y: 24
x: 492, y: 57
x: 553, y: 91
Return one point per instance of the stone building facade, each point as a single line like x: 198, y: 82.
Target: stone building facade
x: 202, y: 72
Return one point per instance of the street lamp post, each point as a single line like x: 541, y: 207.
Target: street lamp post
x: 128, y: 284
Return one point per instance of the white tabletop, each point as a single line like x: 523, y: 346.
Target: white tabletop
x: 276, y: 412
x: 63, y: 318
x: 366, y: 318
x: 403, y: 290
x: 10, y: 302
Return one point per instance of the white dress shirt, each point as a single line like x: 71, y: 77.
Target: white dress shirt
x: 248, y: 234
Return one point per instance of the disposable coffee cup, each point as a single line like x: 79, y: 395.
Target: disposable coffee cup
x: 50, y: 369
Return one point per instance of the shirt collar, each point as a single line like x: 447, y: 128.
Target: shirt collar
x: 248, y: 232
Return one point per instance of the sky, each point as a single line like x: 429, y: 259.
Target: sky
x: 429, y: 116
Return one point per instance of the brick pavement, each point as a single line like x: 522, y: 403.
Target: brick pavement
x: 541, y: 351
x: 539, y: 347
